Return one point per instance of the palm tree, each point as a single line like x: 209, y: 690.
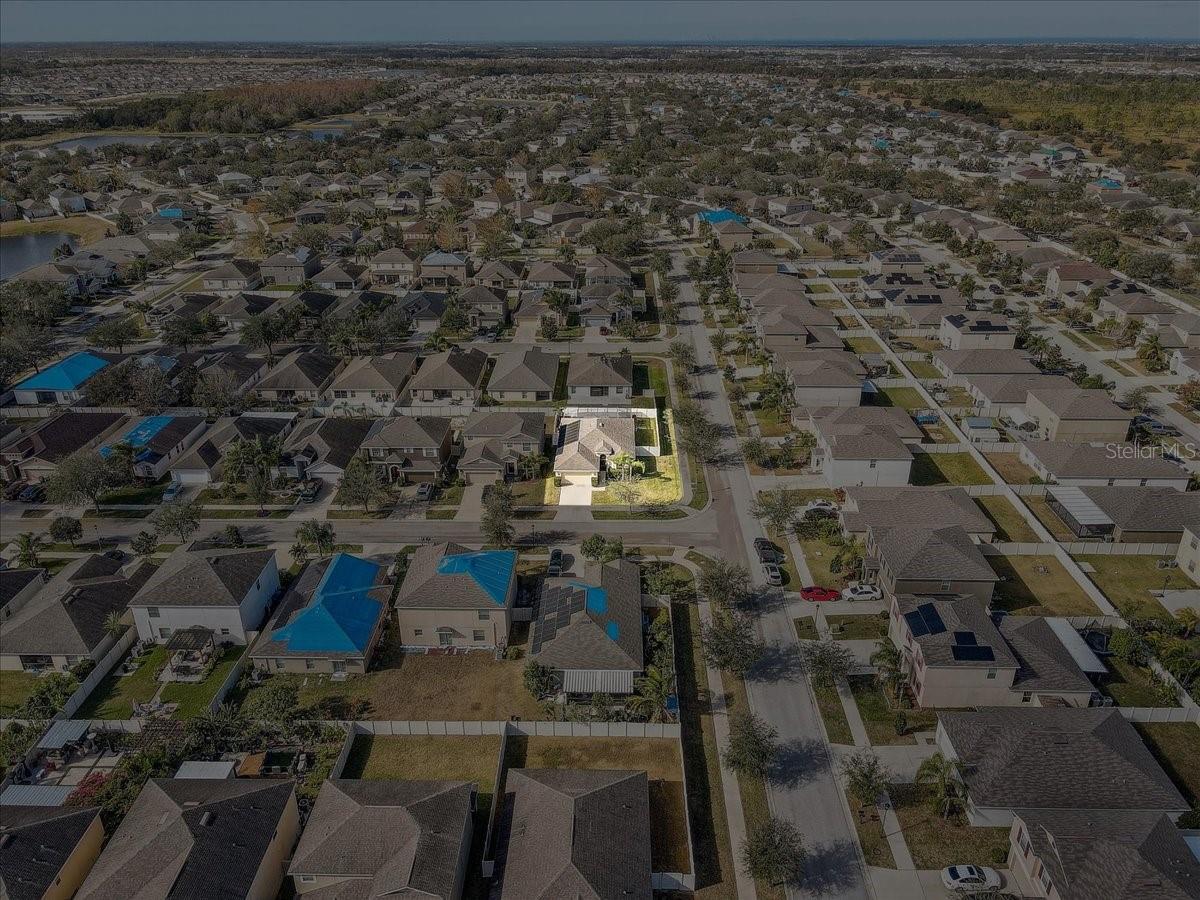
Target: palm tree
x: 944, y: 776
x: 217, y: 730
x: 848, y: 556
x: 114, y: 625
x: 1189, y: 618
x: 889, y: 665
x: 27, y: 550
x: 299, y: 553
x: 653, y: 694
x: 316, y: 535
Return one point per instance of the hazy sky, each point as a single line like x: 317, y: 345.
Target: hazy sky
x: 587, y: 20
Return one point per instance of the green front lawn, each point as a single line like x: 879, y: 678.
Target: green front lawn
x: 1038, y: 586
x: 806, y: 628
x: 857, y: 627
x: 139, y: 494
x: 879, y: 713
x: 659, y: 483
x: 537, y: 492
x: 115, y: 696
x: 818, y: 555
x: 947, y: 468
x: 1128, y: 580
x: 193, y: 699
x: 936, y: 842
x: 871, y: 834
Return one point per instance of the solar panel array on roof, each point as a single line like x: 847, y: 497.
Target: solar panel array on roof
x: 924, y: 620
x: 965, y: 638
x: 972, y: 653
x: 916, y: 624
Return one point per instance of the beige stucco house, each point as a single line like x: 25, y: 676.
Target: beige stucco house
x: 455, y: 597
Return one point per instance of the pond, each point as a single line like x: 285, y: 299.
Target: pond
x: 24, y: 251
x: 95, y: 141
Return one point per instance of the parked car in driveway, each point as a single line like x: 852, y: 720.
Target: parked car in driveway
x: 555, y: 568
x: 767, y: 552
x: 819, y: 594
x: 309, y: 490
x: 819, y: 508
x: 35, y: 493
x: 425, y: 491
x: 970, y: 878
x: 172, y: 490
x: 773, y: 574
x: 862, y: 592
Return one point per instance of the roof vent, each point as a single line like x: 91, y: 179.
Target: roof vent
x: 208, y: 817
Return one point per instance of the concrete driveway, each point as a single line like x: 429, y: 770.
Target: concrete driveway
x: 471, y: 507
x: 575, y: 499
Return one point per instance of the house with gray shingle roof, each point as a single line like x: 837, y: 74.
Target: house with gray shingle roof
x: 225, y: 591
x: 906, y: 506
x: 300, y: 376
x: 408, y: 448
x: 590, y: 632
x: 524, y: 375
x: 496, y: 440
x: 574, y: 833
x: 600, y: 379
x: 863, y: 445
x: 1052, y: 758
x: 48, y: 850
x: 1126, y: 513
x: 198, y: 838
x: 371, y: 385
x: 455, y: 597
x: 928, y: 561
x: 366, y: 839
x: 1077, y: 414
x: 1111, y: 464
x: 455, y: 376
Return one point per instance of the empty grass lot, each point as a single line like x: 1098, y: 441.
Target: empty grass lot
x: 1128, y: 580
x: 1038, y: 586
x: 15, y: 688
x: 936, y: 842
x: 1010, y: 524
x: 946, y: 468
x: 1010, y: 467
x: 1175, y: 747
x: 878, y: 713
x: 657, y: 757
x: 114, y: 697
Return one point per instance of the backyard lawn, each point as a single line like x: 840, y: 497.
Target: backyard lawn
x: 1010, y: 467
x: 1128, y: 580
x: 1010, y: 524
x: 936, y: 842
x: 415, y: 686
x: 1131, y: 685
x: 193, y: 699
x: 1175, y: 747
x: 922, y: 369
x: 657, y: 757
x: 906, y: 397
x: 15, y: 688
x: 863, y: 345
x: 878, y: 713
x: 947, y: 468
x: 772, y: 424
x: 1038, y: 586
x: 1049, y: 518
x: 114, y: 697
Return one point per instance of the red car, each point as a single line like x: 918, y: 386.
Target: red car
x: 819, y: 594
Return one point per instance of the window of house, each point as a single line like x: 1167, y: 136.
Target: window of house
x: 874, y: 464
x: 152, y: 612
x: 598, y: 391
x: 417, y: 632
x: 945, y: 585
x: 308, y: 879
x: 309, y: 664
x: 1193, y: 542
x: 477, y: 635
x: 445, y: 638
x: 1023, y: 841
x: 224, y: 631
x: 279, y: 663
x: 1044, y: 878
x: 991, y: 674
x: 164, y: 632
x: 1026, y: 696
x: 484, y: 615
x: 340, y: 395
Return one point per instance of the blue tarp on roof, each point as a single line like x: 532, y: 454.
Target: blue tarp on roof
x: 490, y: 569
x: 596, y: 603
x: 713, y: 216
x: 1109, y: 184
x: 141, y: 434
x: 66, y: 374
x: 342, y: 614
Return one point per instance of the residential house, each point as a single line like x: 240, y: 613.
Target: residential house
x: 290, y: 268
x: 18, y: 587
x: 409, y: 448
x: 1077, y: 415
x: 236, y: 275
x: 204, y: 462
x: 330, y: 620
x: 547, y: 275
x: 157, y: 441
x: 342, y: 276
x: 300, y: 377
x: 529, y: 375
x: 323, y: 448
x: 34, y: 456
x: 1053, y: 758
x: 600, y: 379
x: 1075, y: 279
x: 310, y: 308
x: 497, y: 275
x: 495, y: 441
x: 394, y: 266
x: 545, y: 814
x: 590, y: 632
x: 956, y: 365
x: 484, y: 307
x: 929, y: 561
x: 455, y: 597
x: 731, y: 234
x: 237, y: 310
x: 893, y: 259
x: 65, y: 202
x: 225, y: 592
x: 420, y: 842
x: 370, y: 385
x: 424, y: 309
x: 64, y: 623
x: 585, y: 447
x: 200, y: 837
x: 48, y: 850
x: 1124, y: 513
x: 913, y: 507
x: 977, y: 331
x: 863, y: 445
x: 62, y: 382
x: 453, y: 376
x: 443, y: 270
x: 553, y: 213
x: 1111, y: 464
x: 823, y: 378
x: 1006, y: 395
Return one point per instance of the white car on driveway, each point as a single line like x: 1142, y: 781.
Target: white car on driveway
x: 862, y: 592
x: 962, y: 879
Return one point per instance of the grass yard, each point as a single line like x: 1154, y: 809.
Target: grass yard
x: 15, y: 688
x: 660, y: 483
x: 86, y: 229
x: 415, y: 686
x: 863, y: 345
x: 946, y: 468
x: 650, y: 373
x: 878, y: 713
x: 139, y: 494
x: 1131, y: 685
x: 699, y: 483
x: 1049, y: 518
x: 1010, y: 467
x: 702, y: 762
x: 645, y: 432
x: 1038, y: 586
x: 818, y: 555
x: 905, y: 397
x: 806, y: 628
x: 1128, y: 580
x: 936, y: 842
x: 193, y: 699
x: 830, y: 705
x: 657, y: 757
x: 1010, y: 524
x: 857, y: 628
x: 772, y: 424
x: 115, y: 696
x: 1177, y: 750
x: 922, y: 369
x: 871, y: 835
x: 538, y: 492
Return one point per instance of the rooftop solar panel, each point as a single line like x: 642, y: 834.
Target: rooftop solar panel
x: 972, y: 653
x: 932, y: 618
x: 916, y: 624
x: 965, y: 638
